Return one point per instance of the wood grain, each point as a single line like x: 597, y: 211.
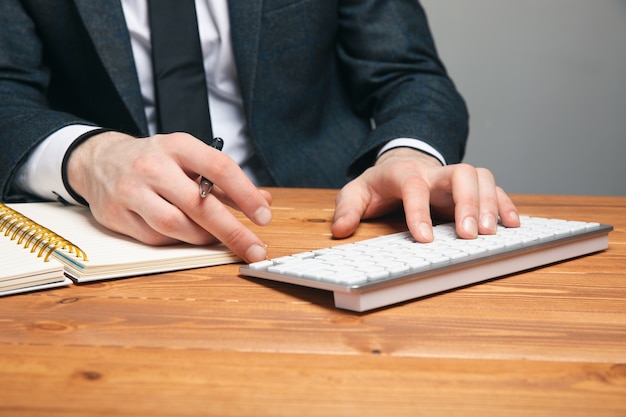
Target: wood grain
x: 551, y: 341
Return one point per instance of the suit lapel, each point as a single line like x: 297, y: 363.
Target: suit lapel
x: 104, y: 20
x: 245, y: 20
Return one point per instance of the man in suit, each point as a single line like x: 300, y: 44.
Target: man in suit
x: 334, y: 93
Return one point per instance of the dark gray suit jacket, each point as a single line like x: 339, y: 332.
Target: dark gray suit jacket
x: 313, y: 75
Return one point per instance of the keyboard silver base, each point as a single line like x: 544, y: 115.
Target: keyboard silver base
x: 469, y: 274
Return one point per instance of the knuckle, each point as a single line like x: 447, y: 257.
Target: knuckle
x: 155, y: 239
x: 148, y: 165
x: 485, y: 173
x: 235, y: 236
x: 112, y: 216
x: 464, y: 169
x: 221, y: 166
x: 405, y: 165
x: 167, y: 223
x: 415, y: 188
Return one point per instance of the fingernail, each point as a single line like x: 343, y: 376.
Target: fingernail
x: 470, y: 226
x: 488, y: 222
x: 256, y: 253
x: 426, y: 231
x: 263, y: 216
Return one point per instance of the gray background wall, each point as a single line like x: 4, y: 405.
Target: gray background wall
x: 545, y: 83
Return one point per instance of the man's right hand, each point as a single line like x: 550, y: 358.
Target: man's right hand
x: 148, y: 189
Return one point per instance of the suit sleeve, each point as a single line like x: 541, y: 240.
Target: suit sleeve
x: 25, y: 115
x: 396, y: 78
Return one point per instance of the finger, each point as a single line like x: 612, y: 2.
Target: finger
x: 210, y: 214
x: 166, y: 219
x: 205, y: 221
x: 119, y: 218
x: 224, y: 198
x: 133, y: 225
x: 488, y: 214
x: 465, y: 194
x: 211, y: 221
x: 220, y: 169
x: 190, y: 217
x: 416, y: 198
x: 508, y: 212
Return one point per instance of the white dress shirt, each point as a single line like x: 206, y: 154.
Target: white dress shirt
x: 41, y: 173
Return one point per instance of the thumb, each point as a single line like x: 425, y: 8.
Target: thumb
x: 350, y: 205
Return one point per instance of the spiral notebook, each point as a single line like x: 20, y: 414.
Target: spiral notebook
x: 42, y: 244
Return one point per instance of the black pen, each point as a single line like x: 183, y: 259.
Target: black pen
x: 205, y: 184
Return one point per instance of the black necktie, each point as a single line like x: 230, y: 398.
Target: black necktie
x: 179, y: 78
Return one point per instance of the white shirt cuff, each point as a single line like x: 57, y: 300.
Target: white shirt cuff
x: 41, y: 174
x: 413, y: 143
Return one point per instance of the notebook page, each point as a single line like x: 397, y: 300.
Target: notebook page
x: 111, y: 254
x: 19, y: 268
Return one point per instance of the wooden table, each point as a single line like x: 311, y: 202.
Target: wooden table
x: 551, y: 341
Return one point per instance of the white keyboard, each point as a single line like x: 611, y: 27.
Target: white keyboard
x: 390, y: 269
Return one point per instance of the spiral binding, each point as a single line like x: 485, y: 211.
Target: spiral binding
x: 33, y: 235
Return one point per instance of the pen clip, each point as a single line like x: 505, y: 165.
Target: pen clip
x: 217, y: 143
x: 205, y: 184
